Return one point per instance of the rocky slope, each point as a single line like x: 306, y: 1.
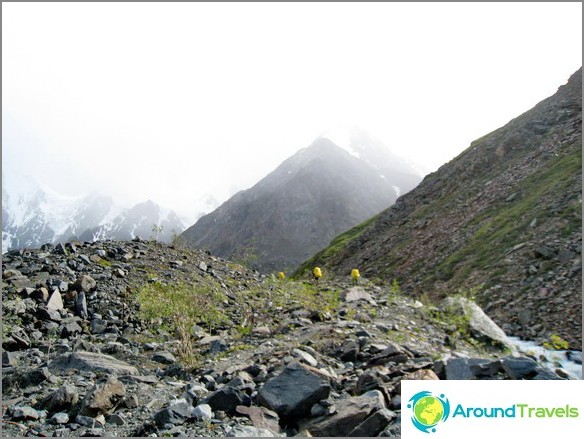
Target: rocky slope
x: 503, y: 219
x: 89, y: 349
x: 297, y: 209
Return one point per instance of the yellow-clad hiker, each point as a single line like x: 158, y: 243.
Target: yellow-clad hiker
x: 355, y: 275
x: 317, y: 273
x: 281, y: 275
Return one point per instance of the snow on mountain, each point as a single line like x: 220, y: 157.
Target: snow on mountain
x: 34, y: 214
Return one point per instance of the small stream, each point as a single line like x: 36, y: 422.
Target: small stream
x: 552, y: 358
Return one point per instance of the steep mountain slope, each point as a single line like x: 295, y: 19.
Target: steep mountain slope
x: 297, y: 209
x: 33, y: 215
x: 503, y: 218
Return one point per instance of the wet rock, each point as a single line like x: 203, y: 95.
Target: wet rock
x: 575, y: 356
x: 294, y: 391
x: 518, y: 368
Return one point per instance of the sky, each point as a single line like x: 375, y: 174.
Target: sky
x: 173, y: 101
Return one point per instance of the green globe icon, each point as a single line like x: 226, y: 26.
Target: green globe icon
x: 428, y: 410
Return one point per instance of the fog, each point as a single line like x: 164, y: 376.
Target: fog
x: 172, y: 101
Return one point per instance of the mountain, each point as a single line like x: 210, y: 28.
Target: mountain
x: 33, y: 215
x: 297, y: 209
x: 502, y: 220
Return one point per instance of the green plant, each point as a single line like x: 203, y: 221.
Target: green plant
x: 555, y: 342
x: 156, y: 230
x: 395, y: 291
x: 245, y: 255
x: 177, y: 239
x: 176, y: 308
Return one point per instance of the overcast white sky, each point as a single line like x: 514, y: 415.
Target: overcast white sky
x: 172, y: 101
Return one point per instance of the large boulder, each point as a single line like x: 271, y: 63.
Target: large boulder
x: 294, y: 391
x: 480, y: 325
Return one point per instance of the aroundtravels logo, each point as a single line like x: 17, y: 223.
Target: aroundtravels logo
x: 428, y: 410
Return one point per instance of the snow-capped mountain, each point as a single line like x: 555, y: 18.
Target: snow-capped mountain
x: 33, y: 214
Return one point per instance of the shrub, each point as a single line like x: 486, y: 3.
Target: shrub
x: 178, y: 307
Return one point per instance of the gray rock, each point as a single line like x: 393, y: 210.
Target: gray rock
x: 294, y: 391
x: 350, y: 414
x: 356, y: 293
x: 81, y: 305
x: 26, y: 413
x: 227, y: 399
x: 94, y: 362
x: 203, y: 412
x: 164, y: 357
x: 519, y: 368
x: 103, y: 398
x: 247, y: 431
x: 177, y: 413
x: 261, y: 417
x: 70, y: 328
x: 115, y: 419
x: 55, y: 302
x: 575, y: 356
x: 350, y: 351
x: 461, y: 368
x: 60, y: 418
x: 85, y: 283
x: 62, y: 399
x: 481, y: 326
x: 98, y: 326
x: 304, y: 357
x: 374, y: 424
x: 40, y: 294
x: 9, y: 359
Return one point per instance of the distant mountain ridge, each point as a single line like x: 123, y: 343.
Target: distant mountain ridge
x: 294, y: 211
x: 503, y: 218
x: 35, y: 216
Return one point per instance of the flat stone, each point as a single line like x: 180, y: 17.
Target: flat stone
x: 350, y: 414
x: 55, y: 302
x: 90, y: 361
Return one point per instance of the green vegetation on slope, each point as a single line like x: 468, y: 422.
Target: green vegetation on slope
x: 335, y: 248
x: 506, y: 225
